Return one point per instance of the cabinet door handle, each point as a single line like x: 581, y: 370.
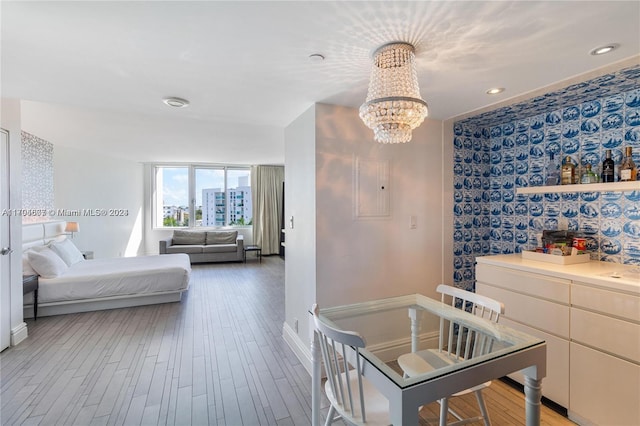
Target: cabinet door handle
x: 6, y: 250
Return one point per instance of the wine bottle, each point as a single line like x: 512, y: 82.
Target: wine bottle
x: 628, y: 170
x: 568, y: 172
x: 589, y: 176
x: 553, y: 171
x: 608, y: 168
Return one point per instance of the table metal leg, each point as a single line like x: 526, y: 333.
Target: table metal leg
x: 402, y: 412
x: 444, y: 411
x: 533, y: 396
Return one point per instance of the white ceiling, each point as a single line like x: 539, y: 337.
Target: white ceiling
x: 247, y: 62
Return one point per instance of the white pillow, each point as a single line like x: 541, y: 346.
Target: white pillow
x: 67, y: 251
x: 46, y: 263
x: 26, y: 266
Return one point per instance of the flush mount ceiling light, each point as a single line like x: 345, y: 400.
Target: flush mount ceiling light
x: 604, y: 49
x: 176, y: 102
x: 495, y: 91
x: 316, y: 57
x: 393, y: 108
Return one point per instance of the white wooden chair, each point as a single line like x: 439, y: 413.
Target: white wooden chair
x: 352, y: 396
x: 457, y: 342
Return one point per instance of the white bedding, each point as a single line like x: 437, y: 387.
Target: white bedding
x: 99, y: 278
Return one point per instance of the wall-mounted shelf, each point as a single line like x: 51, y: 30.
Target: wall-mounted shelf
x: 592, y: 187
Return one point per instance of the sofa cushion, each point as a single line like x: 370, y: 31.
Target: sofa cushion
x: 185, y: 248
x: 221, y: 237
x: 181, y: 237
x: 220, y: 248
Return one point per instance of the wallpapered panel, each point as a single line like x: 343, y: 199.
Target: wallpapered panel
x: 499, y: 151
x: 37, y: 177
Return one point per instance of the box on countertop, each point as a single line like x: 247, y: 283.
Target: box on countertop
x: 559, y: 260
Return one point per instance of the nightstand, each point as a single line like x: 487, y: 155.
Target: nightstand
x: 30, y: 284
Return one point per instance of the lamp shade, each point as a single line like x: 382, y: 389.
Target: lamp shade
x: 393, y: 107
x: 72, y: 227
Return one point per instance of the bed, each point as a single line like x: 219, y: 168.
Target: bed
x: 97, y: 284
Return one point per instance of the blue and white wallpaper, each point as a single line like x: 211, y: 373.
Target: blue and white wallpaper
x: 499, y: 151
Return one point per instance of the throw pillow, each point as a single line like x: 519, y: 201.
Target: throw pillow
x: 27, y: 269
x: 47, y: 263
x: 188, y: 237
x: 67, y: 251
x: 222, y: 237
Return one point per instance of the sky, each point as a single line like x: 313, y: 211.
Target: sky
x: 175, y: 190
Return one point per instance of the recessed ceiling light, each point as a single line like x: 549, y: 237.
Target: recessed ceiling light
x: 316, y: 57
x: 604, y: 49
x: 495, y: 90
x: 176, y: 102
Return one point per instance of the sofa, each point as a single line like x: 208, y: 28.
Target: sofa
x: 204, y: 246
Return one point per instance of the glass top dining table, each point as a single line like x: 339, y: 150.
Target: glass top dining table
x: 397, y: 325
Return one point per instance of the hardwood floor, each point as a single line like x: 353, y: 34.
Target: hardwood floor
x: 217, y: 357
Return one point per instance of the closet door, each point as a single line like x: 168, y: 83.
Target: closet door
x: 5, y: 248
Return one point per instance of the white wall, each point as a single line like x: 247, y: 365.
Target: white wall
x: 87, y: 180
x: 300, y: 202
x: 334, y: 258
x: 10, y: 120
x: 365, y: 259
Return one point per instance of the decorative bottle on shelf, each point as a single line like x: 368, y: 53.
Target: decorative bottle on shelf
x: 553, y: 171
x: 628, y: 170
x: 568, y: 172
x: 589, y: 176
x: 608, y: 169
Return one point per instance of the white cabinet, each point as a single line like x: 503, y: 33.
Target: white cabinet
x: 604, y: 389
x: 592, y: 330
x: 604, y: 356
x: 525, y: 297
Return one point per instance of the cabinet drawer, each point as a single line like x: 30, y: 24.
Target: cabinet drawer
x: 556, y: 385
x: 617, y: 304
x: 556, y: 289
x: 604, y: 389
x: 537, y: 313
x: 612, y: 335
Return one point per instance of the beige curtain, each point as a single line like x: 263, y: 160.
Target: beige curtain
x: 266, y: 189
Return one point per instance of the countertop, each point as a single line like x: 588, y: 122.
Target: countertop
x: 596, y: 273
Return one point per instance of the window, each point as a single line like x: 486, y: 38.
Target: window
x: 220, y: 196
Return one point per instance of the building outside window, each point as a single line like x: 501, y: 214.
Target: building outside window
x: 220, y: 196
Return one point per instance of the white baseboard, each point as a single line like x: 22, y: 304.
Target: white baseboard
x: 298, y: 346
x: 387, y: 351
x: 19, y: 333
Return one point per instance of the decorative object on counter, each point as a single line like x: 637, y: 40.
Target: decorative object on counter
x: 608, y: 168
x: 560, y: 247
x: 589, y: 176
x: 560, y: 243
x: 558, y: 260
x: 568, y: 172
x: 580, y: 244
x: 553, y: 171
x: 628, y: 170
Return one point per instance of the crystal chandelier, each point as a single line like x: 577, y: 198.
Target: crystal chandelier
x: 393, y: 107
